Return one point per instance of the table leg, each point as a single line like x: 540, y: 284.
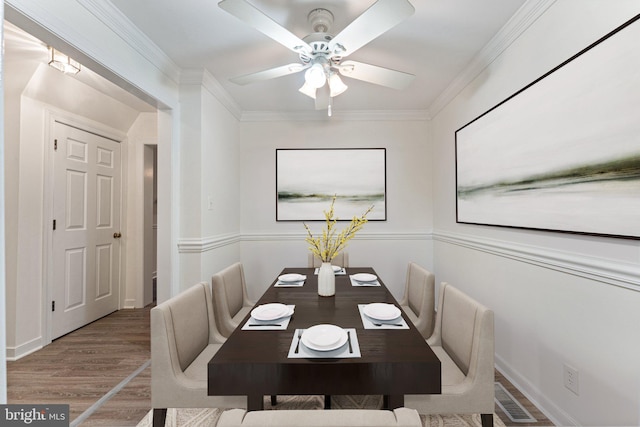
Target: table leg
x: 392, y: 401
x: 327, y: 401
x: 255, y: 402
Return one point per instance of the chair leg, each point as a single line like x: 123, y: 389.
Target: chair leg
x: 487, y: 420
x: 327, y: 401
x: 274, y: 400
x: 159, y: 416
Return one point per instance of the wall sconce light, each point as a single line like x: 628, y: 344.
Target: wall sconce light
x: 62, y: 62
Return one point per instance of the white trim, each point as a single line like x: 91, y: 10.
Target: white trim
x: 300, y: 236
x: 530, y: 11
x: 117, y: 21
x: 129, y: 304
x: 200, y: 245
x: 618, y: 273
x: 363, y: 115
x: 554, y: 413
x: 205, y: 79
x: 22, y: 350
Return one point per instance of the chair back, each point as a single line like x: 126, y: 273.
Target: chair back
x: 420, y: 289
x: 341, y: 260
x: 187, y: 320
x: 229, y: 288
x: 461, y: 320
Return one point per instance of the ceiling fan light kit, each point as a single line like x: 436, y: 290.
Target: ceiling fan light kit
x: 316, y: 75
x: 321, y: 54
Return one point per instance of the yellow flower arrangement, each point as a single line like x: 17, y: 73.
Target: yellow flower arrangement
x: 331, y: 243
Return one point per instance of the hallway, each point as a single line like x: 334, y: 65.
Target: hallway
x: 102, y: 370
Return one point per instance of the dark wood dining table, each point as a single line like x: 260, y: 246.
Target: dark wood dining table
x: 393, y: 362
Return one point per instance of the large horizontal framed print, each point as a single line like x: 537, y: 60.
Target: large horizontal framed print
x: 563, y: 153
x: 308, y: 179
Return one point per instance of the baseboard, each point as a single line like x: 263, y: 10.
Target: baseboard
x: 16, y: 353
x: 554, y: 413
x: 129, y: 303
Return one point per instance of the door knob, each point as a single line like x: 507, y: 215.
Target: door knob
x: 117, y: 235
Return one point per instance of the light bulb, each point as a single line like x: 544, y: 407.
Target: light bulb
x: 315, y: 76
x: 308, y: 90
x: 336, y: 85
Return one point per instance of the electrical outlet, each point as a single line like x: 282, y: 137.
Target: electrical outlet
x: 571, y: 378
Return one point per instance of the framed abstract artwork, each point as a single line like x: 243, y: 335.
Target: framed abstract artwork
x: 308, y: 179
x: 563, y: 153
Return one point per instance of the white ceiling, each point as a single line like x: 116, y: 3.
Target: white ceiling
x: 435, y: 44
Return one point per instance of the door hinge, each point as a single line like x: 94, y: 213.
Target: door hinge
x: 53, y: 306
x: 54, y: 224
x: 55, y: 145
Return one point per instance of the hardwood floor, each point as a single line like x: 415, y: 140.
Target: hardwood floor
x: 102, y: 371
x: 80, y: 368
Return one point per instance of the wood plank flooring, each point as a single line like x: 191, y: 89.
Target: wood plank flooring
x: 82, y: 367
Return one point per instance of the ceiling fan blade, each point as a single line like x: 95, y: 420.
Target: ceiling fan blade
x: 261, y: 22
x: 323, y: 99
x: 271, y: 73
x: 378, y: 19
x: 374, y: 74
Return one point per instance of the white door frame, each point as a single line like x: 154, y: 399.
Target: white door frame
x: 53, y: 115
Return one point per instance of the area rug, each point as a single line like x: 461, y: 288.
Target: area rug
x: 188, y: 417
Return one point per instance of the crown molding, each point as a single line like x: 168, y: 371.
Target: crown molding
x: 321, y: 116
x: 511, y: 31
x: 117, y: 21
x: 204, y: 78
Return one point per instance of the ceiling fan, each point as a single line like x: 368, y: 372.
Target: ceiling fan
x: 321, y: 54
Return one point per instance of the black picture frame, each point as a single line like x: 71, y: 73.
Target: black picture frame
x: 563, y: 153
x: 307, y: 180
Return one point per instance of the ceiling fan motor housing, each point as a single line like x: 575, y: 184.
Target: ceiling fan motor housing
x: 321, y: 20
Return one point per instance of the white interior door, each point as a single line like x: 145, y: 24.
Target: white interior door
x: 86, y: 237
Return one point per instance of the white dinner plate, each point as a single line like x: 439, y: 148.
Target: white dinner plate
x: 365, y: 277
x: 270, y: 311
x: 291, y: 277
x: 324, y: 337
x: 381, y: 311
x: 336, y: 268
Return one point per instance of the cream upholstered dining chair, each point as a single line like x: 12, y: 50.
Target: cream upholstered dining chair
x: 463, y: 340
x: 183, y: 340
x: 230, y: 299
x: 341, y: 260
x: 418, y: 301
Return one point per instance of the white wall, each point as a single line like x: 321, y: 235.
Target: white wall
x: 210, y: 181
x: 142, y: 133
x: 388, y: 246
x: 558, y: 298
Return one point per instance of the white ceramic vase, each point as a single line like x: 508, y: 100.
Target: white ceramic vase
x: 326, y: 280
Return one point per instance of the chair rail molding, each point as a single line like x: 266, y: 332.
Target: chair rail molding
x: 204, y: 244
x: 614, y: 272
x: 300, y: 236
x: 190, y: 245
